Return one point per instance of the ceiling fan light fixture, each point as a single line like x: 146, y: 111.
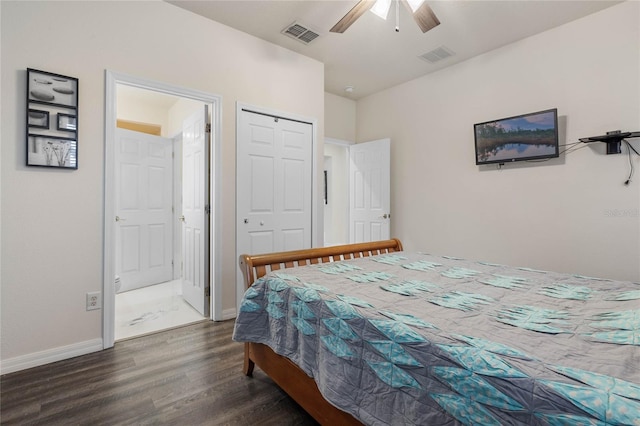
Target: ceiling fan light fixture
x: 381, y: 8
x: 415, y: 4
x: 422, y: 13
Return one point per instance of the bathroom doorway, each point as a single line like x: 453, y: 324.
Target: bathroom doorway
x: 145, y: 226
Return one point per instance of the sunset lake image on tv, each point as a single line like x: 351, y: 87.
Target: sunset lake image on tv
x: 523, y: 137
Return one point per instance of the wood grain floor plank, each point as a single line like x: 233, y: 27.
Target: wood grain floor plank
x: 185, y: 376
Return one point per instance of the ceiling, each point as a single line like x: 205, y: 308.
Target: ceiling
x: 370, y: 56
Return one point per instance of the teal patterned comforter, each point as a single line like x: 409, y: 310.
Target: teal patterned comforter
x: 409, y: 338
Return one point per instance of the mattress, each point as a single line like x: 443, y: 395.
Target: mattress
x: 416, y: 339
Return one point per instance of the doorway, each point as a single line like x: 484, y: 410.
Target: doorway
x: 171, y: 268
x: 336, y: 196
x: 357, y: 191
x: 152, y: 279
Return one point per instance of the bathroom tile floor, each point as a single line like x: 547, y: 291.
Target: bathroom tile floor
x: 151, y: 309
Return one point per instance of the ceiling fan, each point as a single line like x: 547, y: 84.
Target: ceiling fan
x: 420, y: 10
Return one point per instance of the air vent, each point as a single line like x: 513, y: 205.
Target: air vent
x: 300, y: 32
x: 437, y: 54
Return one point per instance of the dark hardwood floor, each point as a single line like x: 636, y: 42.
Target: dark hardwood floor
x: 186, y: 376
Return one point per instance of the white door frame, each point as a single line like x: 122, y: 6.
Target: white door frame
x: 113, y: 78
x: 317, y: 209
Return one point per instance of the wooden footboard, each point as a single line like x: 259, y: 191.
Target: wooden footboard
x: 286, y: 374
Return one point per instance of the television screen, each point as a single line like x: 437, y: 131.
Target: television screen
x: 530, y: 136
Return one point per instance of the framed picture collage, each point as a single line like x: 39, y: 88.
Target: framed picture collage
x: 52, y: 120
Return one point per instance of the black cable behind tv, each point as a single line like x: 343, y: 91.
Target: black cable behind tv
x: 612, y: 139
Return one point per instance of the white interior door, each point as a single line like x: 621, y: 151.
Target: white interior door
x: 369, y: 186
x: 274, y: 185
x: 144, y: 198
x: 195, y: 211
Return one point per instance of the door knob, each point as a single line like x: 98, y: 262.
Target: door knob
x: 119, y: 219
x: 181, y: 218
x: 386, y: 216
x: 246, y: 221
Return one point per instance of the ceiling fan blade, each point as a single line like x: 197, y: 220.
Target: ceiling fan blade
x: 357, y: 11
x: 424, y: 16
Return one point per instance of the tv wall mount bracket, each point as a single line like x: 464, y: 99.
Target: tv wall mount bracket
x: 612, y: 139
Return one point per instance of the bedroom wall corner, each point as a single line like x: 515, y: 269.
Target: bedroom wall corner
x: 52, y: 220
x: 340, y: 117
x: 571, y: 214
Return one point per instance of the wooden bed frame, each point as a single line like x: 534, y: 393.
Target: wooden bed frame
x: 286, y: 374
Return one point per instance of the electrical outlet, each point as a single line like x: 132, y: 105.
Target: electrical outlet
x: 93, y: 301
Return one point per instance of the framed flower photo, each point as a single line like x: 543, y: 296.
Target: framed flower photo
x: 49, y: 151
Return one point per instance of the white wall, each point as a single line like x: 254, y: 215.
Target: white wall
x: 179, y: 112
x: 149, y: 110
x: 340, y: 117
x: 133, y: 108
x: 558, y: 215
x: 52, y: 220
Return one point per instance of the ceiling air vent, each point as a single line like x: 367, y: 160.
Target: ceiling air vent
x: 300, y: 32
x: 437, y: 54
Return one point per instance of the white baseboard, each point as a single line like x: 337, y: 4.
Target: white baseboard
x: 228, y: 314
x: 50, y: 355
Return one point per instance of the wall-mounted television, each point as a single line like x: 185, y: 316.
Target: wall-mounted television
x: 531, y: 136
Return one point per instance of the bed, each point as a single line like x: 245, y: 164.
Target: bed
x: 368, y: 333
